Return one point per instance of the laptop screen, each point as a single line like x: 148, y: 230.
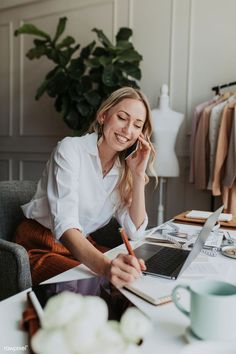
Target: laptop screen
x: 202, y: 237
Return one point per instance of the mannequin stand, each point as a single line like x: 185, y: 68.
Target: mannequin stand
x: 160, y: 215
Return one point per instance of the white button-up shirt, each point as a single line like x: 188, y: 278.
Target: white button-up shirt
x: 72, y: 192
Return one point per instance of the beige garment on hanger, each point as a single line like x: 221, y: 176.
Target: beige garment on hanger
x: 230, y: 168
x: 202, y: 146
x: 222, y: 149
x: 229, y: 199
x: 195, y: 120
x: 229, y: 194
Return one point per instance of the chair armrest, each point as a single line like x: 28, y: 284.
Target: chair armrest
x: 15, y: 273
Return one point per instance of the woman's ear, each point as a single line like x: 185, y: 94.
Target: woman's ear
x: 102, y: 118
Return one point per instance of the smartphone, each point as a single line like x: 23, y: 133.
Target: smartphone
x: 132, y: 149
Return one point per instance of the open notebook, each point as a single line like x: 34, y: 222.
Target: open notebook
x: 154, y: 291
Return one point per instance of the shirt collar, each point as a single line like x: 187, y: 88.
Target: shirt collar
x: 89, y: 142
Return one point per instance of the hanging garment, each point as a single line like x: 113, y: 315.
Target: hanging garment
x: 195, y: 120
x: 230, y: 168
x: 202, y: 147
x: 214, y: 125
x: 229, y: 199
x: 222, y: 148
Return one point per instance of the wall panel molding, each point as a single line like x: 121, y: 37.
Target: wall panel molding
x: 189, y: 61
x: 130, y: 13
x: 9, y: 122
x: 5, y: 169
x: 31, y: 168
x: 171, y: 49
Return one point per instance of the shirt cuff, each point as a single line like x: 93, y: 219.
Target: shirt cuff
x: 134, y: 233
x: 59, y: 229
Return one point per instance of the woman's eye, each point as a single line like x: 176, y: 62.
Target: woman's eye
x: 120, y: 117
x: 138, y: 126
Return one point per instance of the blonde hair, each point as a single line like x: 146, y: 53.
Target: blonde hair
x: 125, y: 183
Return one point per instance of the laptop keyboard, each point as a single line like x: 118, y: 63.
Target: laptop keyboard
x: 166, y: 261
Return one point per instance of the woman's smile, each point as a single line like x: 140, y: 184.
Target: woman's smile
x: 121, y: 138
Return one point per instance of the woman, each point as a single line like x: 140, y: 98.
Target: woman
x: 87, y: 180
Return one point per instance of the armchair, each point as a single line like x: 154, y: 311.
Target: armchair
x: 14, y: 263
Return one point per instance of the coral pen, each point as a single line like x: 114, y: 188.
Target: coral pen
x: 126, y: 242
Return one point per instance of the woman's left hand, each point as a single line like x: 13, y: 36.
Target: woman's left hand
x: 139, y: 160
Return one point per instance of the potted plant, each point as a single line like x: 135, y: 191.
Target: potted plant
x: 79, y: 81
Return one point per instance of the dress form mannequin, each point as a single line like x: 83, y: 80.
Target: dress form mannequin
x: 166, y: 124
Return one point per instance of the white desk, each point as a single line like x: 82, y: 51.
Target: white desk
x: 169, y: 324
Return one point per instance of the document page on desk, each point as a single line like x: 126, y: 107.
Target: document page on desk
x: 151, y: 290
x: 202, y: 267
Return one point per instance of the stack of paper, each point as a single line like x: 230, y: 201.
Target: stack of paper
x: 198, y: 214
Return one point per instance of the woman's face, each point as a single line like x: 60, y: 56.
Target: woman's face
x: 123, y: 124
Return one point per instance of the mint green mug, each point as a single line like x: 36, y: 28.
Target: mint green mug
x: 212, y: 308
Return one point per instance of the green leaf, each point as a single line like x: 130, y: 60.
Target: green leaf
x: 64, y: 57
x: 66, y: 106
x: 41, y: 89
x: 104, y: 61
x: 123, y: 45
x: 36, y: 53
x: 29, y: 28
x: 66, y: 42
x: 84, y: 109
x: 84, y: 85
x: 60, y: 28
x: 86, y: 51
x: 57, y: 85
x: 130, y: 69
x: 99, y: 51
x: 58, y: 103
x: 130, y: 55
x: 52, y: 72
x: 124, y: 34
x: 93, y: 98
x: 73, y: 119
x: 93, y: 62
x: 126, y: 82
x: 76, y: 68
x: 53, y: 54
x: 102, y: 38
x: 40, y: 42
x: 96, y: 74
x: 108, y: 76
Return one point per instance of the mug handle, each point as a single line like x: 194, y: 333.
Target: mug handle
x: 175, y: 298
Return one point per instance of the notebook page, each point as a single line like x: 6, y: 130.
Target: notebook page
x: 151, y: 289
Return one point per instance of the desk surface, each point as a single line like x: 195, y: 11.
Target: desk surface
x: 169, y: 324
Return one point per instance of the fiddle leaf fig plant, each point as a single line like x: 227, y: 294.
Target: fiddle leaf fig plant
x: 82, y: 77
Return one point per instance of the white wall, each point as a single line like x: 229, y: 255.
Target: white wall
x: 188, y: 44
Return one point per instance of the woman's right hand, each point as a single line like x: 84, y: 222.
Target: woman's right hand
x: 124, y: 269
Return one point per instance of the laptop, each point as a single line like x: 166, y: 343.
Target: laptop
x: 170, y: 262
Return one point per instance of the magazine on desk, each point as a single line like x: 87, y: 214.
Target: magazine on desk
x: 183, y: 235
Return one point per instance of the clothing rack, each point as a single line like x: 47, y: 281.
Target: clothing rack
x: 217, y: 88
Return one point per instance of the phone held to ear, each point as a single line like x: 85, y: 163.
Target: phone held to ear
x: 131, y: 150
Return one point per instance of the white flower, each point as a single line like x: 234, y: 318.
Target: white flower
x: 134, y: 325
x: 81, y: 332
x: 96, y: 310
x: 131, y: 349
x: 50, y: 342
x: 61, y: 309
x: 108, y: 340
x: 73, y: 324
x: 110, y: 334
